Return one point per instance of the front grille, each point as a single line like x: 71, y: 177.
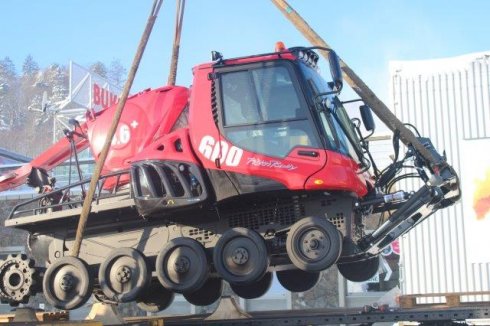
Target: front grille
x: 159, y: 179
x: 267, y: 214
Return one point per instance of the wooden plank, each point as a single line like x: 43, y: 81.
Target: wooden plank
x: 41, y: 316
x: 452, y: 299
x: 408, y: 302
x: 443, y: 294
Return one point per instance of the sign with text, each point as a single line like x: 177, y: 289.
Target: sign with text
x: 90, y: 90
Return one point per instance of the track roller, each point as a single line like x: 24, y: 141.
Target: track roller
x: 296, y: 280
x: 359, y: 271
x: 207, y: 294
x: 67, y: 283
x: 17, y: 278
x: 254, y: 290
x: 182, y: 266
x: 156, y: 298
x: 240, y: 256
x: 124, y: 275
x: 313, y: 244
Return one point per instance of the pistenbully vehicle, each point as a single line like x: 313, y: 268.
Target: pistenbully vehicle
x: 256, y: 168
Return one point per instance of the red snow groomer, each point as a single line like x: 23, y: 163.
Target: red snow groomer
x: 255, y: 169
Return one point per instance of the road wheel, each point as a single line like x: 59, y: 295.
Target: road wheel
x: 182, y: 265
x: 240, y: 256
x: 124, y: 275
x: 67, y: 283
x: 313, y: 244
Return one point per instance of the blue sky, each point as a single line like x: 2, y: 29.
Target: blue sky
x: 366, y: 34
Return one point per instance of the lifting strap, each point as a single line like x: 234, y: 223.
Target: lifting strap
x: 112, y: 130
x: 179, y: 19
x: 354, y: 81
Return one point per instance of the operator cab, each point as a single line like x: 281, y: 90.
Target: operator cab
x: 277, y: 105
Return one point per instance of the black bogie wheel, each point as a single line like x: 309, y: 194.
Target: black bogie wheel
x: 313, y: 244
x: 296, y: 280
x: 157, y: 298
x: 207, y: 294
x: 124, y: 275
x: 67, y: 283
x: 240, y: 256
x: 182, y: 265
x: 254, y: 290
x: 359, y: 271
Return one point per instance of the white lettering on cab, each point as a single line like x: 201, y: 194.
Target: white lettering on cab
x: 211, y: 149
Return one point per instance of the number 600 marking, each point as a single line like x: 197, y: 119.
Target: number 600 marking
x: 211, y: 149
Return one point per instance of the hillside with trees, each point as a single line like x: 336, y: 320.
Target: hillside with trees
x: 24, y: 127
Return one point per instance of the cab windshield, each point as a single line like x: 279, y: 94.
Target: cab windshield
x: 339, y: 130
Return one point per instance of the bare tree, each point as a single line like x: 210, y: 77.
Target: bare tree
x: 99, y: 68
x: 117, y: 73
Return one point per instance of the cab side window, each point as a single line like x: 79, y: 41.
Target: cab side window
x: 263, y: 112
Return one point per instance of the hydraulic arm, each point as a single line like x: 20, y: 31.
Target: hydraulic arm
x: 441, y: 189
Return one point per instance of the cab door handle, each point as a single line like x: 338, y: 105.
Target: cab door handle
x: 309, y: 153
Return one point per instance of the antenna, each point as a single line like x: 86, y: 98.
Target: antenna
x: 44, y: 102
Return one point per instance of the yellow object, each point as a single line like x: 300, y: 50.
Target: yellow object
x: 481, y: 197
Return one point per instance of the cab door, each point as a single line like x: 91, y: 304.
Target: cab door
x: 265, y: 138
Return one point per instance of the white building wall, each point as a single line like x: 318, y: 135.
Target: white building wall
x: 448, y: 101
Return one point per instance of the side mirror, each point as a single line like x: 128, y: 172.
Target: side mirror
x: 216, y: 56
x: 367, y: 117
x: 335, y: 71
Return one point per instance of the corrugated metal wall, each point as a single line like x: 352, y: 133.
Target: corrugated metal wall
x: 448, y: 101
